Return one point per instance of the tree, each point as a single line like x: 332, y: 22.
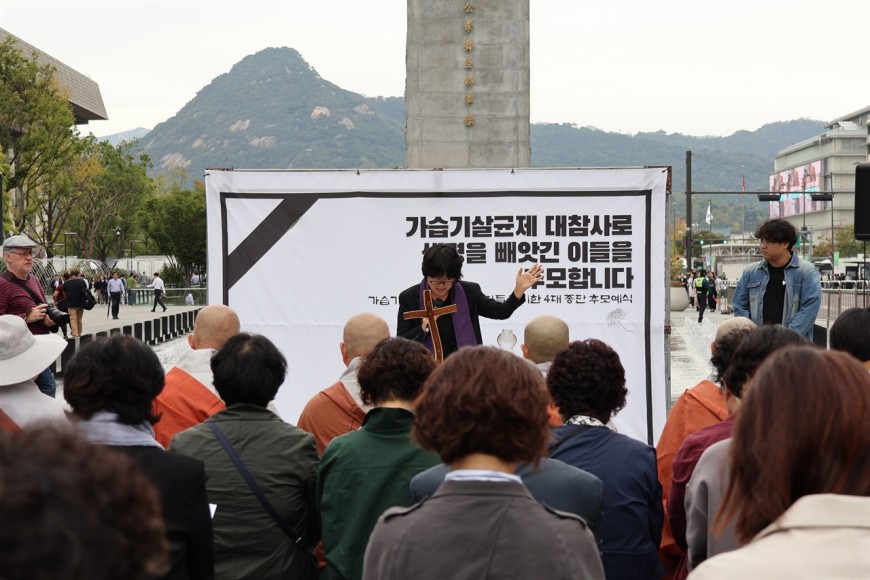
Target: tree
x: 37, y: 127
x: 110, y: 184
x: 178, y: 227
x: 845, y: 244
x: 678, y: 239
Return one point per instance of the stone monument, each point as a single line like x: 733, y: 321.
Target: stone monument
x: 467, y: 84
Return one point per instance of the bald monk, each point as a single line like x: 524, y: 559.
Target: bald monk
x: 700, y: 406
x: 188, y: 397
x: 543, y: 338
x: 339, y: 409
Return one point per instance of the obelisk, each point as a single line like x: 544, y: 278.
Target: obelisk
x: 467, y: 84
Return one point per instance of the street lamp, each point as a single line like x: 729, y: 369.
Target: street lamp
x: 66, y: 246
x: 118, y: 237
x: 64, y: 252
x: 131, y: 252
x: 829, y: 197
x: 804, y: 214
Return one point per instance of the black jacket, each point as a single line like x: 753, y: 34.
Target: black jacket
x: 181, y: 483
x: 478, y: 305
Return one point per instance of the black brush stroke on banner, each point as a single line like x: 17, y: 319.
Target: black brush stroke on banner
x: 263, y: 238
x: 294, y: 205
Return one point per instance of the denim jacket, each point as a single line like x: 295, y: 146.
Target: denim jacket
x: 803, y: 294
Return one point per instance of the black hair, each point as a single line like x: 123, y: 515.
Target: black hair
x: 248, y: 368
x: 759, y: 344
x: 777, y: 230
x: 119, y: 374
x: 587, y: 378
x: 442, y: 260
x: 395, y: 369
x: 725, y: 348
x: 851, y: 333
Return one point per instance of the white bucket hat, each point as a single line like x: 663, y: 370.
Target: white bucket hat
x: 23, y: 355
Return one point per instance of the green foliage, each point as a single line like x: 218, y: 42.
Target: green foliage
x: 676, y: 267
x: 6, y: 225
x: 111, y: 184
x: 844, y: 243
x: 178, y: 226
x: 173, y: 275
x: 38, y: 126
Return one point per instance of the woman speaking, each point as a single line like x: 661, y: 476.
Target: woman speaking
x: 442, y: 274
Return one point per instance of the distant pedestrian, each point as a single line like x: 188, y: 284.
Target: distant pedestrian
x: 702, y: 291
x: 690, y: 288
x: 131, y: 283
x: 159, y: 287
x: 102, y: 293
x: 75, y: 289
x: 115, y: 288
x: 713, y: 296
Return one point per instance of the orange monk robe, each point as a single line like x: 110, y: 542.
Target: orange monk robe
x: 330, y: 413
x: 698, y: 407
x: 186, y: 400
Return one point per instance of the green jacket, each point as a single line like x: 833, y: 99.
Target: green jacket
x: 283, y: 461
x: 361, y: 475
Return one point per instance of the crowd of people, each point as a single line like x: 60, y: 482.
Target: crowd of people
x: 61, y: 305
x: 485, y: 465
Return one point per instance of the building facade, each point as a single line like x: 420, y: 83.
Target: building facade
x: 824, y: 164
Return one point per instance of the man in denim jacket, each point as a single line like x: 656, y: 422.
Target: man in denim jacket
x: 781, y: 288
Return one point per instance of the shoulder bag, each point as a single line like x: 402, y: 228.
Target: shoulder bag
x: 298, y: 540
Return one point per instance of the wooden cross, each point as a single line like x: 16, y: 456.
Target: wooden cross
x: 431, y: 314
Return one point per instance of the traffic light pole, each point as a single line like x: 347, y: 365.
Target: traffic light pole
x: 688, y: 248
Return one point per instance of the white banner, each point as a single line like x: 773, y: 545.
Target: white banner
x: 297, y: 253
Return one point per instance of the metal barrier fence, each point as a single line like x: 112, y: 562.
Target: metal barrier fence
x: 837, y: 296
x: 173, y: 296
x: 153, y: 331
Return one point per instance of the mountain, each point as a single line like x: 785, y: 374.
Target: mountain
x: 116, y: 138
x: 717, y: 162
x: 272, y: 110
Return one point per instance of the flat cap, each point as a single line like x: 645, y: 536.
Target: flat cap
x: 18, y: 242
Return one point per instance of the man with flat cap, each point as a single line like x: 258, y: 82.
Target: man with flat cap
x: 22, y: 295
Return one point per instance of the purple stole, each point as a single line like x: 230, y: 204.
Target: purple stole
x: 462, y: 327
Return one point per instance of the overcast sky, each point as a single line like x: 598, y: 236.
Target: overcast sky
x: 698, y: 68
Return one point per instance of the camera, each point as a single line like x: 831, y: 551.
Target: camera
x: 59, y: 317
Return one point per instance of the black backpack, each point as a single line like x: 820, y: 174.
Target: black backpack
x: 88, y: 300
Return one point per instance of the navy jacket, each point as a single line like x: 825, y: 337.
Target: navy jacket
x: 632, y: 505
